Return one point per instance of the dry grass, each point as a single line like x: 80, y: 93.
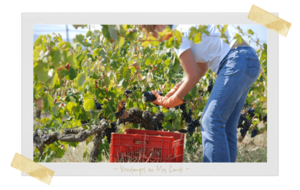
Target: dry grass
x: 249, y: 150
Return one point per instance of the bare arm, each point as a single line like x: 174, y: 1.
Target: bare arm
x: 203, y: 67
x: 192, y: 73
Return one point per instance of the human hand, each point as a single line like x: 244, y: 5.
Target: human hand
x: 173, y: 90
x: 166, y: 102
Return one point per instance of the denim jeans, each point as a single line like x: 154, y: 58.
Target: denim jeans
x: 236, y: 74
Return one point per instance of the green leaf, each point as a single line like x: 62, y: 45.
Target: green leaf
x: 70, y: 106
x: 249, y: 31
x: 36, y: 53
x: 39, y: 42
x: 129, y: 104
x: 88, y: 34
x: 148, y: 60
x: 79, y: 38
x: 224, y: 29
x: 255, y: 121
x: 154, y: 43
x: 64, y: 45
x: 121, y: 42
x: 48, y: 101
x: 41, y: 70
x: 263, y: 56
x: 177, y: 39
x: 238, y: 38
x: 89, y: 104
x: 55, y: 54
x: 72, y: 73
x: 81, y: 79
x: 167, y: 62
x: 113, y: 32
x: 114, y: 64
x: 43, y: 120
x: 197, y: 38
x: 145, y: 44
x: 53, y: 80
x: 154, y: 109
x: 106, y: 32
x: 126, y: 73
x: 73, y: 144
x: 106, y: 81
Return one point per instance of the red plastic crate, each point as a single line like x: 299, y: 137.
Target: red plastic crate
x: 146, y: 146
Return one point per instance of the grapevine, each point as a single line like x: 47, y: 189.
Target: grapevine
x: 102, y: 82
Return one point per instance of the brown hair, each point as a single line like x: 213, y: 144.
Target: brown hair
x: 149, y: 28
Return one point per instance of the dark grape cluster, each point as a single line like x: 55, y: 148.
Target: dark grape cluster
x: 134, y: 88
x: 149, y: 97
x: 247, y: 123
x: 97, y: 105
x: 121, y: 112
x: 182, y: 106
x: 265, y: 119
x: 192, y: 126
x: 243, y: 131
x: 127, y: 92
x: 210, y: 86
x: 84, y: 122
x: 251, y: 112
x: 185, y: 115
x: 254, y: 133
x: 108, y: 131
x: 159, y: 127
x: 188, y: 118
x: 242, y: 118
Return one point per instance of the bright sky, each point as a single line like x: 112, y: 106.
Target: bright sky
x: 259, y: 31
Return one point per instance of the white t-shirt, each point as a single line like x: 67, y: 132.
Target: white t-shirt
x: 212, y: 49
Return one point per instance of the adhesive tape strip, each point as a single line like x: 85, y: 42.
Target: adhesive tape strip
x: 270, y: 21
x: 34, y: 170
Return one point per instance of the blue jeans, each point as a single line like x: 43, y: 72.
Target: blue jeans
x: 236, y: 74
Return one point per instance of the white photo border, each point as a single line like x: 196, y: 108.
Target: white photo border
x: 270, y: 168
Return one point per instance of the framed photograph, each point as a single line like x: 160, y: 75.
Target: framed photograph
x: 35, y: 24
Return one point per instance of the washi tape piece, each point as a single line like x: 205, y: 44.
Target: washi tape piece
x: 31, y: 168
x: 269, y: 20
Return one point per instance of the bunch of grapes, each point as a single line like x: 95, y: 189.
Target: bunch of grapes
x: 188, y: 118
x: 84, y: 122
x: 185, y: 115
x: 159, y: 127
x: 265, y: 119
x: 192, y: 126
x: 149, y: 97
x: 182, y: 106
x: 244, y: 124
x: 127, y: 92
x: 242, y: 118
x: 97, y: 105
x: 110, y: 130
x: 243, y: 131
x: 121, y: 112
x: 247, y: 123
x: 254, y: 133
x: 251, y: 112
x: 210, y: 85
